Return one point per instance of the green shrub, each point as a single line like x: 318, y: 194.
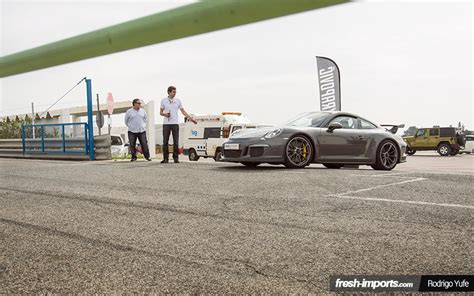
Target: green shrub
x: 11, y: 129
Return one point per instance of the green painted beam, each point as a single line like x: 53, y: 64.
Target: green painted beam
x: 198, y: 18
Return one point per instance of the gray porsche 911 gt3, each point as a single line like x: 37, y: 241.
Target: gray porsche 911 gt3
x: 333, y: 139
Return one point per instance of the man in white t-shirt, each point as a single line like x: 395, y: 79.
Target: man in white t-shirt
x: 169, y: 110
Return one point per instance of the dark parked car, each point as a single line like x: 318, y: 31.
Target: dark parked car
x: 331, y: 138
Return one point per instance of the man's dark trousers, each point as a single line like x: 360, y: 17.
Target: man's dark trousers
x: 132, y: 137
x: 173, y: 128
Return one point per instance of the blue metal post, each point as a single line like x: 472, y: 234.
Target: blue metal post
x: 64, y: 140
x: 89, y: 119
x: 42, y: 138
x: 86, y: 147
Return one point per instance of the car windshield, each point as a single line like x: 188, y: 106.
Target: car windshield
x: 313, y: 119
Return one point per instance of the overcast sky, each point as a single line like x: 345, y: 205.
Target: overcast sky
x: 401, y: 62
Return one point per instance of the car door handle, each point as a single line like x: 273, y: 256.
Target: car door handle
x: 361, y: 137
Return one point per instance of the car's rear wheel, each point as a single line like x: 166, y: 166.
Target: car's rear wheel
x: 387, y: 156
x: 444, y: 149
x: 193, y: 155
x: 250, y: 164
x: 410, y: 151
x: 298, y: 152
x: 333, y: 165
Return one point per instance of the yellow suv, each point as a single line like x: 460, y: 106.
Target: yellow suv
x: 446, y: 140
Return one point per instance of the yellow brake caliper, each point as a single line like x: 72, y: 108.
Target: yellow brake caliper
x: 304, y: 151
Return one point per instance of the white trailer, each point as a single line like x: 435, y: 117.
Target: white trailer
x: 205, y: 138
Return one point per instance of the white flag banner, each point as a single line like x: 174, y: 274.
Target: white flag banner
x: 329, y: 84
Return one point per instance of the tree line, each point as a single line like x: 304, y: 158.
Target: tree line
x: 12, y: 129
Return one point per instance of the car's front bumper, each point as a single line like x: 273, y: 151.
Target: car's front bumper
x: 254, y: 150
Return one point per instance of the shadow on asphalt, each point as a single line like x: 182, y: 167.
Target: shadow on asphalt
x: 428, y: 156
x: 245, y: 168
x: 275, y: 168
x: 268, y: 167
x: 228, y: 166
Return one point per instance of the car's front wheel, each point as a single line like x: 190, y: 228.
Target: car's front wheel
x: 387, y: 156
x: 444, y: 149
x: 298, y: 152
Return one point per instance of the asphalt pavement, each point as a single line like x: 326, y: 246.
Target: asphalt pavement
x: 206, y: 227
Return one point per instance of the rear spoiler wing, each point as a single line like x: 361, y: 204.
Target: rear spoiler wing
x: 393, y: 127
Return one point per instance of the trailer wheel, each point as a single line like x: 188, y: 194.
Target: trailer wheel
x: 193, y: 155
x: 218, y: 156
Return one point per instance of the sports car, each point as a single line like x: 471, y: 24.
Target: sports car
x: 333, y: 139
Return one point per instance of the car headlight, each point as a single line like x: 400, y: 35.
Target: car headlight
x: 272, y: 134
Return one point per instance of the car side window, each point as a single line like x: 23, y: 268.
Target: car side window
x: 364, y: 124
x: 212, y: 132
x: 447, y: 132
x: 420, y: 133
x: 434, y: 132
x: 347, y: 122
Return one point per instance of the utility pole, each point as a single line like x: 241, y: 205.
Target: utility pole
x: 110, y: 109
x: 109, y: 120
x: 33, y: 117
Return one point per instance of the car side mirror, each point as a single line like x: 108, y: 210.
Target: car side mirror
x: 333, y: 126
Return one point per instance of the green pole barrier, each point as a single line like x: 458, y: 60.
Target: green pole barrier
x: 198, y: 18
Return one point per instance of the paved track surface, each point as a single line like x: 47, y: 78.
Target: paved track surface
x: 97, y: 227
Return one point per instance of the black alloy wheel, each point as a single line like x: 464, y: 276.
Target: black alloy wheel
x: 387, y: 156
x: 298, y: 152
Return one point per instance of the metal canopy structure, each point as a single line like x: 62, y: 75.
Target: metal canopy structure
x: 198, y: 18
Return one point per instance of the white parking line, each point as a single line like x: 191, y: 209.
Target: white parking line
x: 397, y: 175
x: 377, y: 187
x: 408, y: 202
x: 390, y: 174
x: 346, y: 195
